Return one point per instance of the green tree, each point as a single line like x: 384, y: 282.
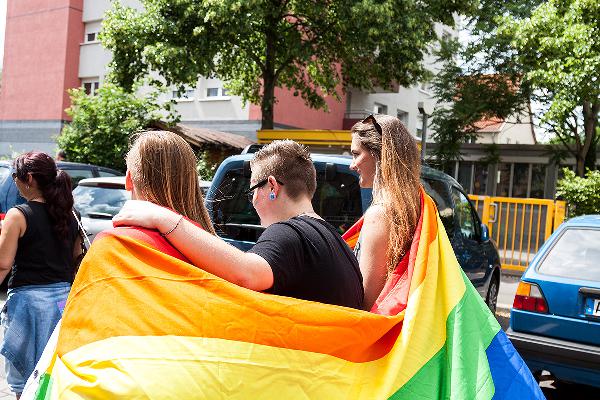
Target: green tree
x: 521, y: 50
x: 581, y: 193
x: 559, y: 47
x: 103, y: 123
x: 310, y: 47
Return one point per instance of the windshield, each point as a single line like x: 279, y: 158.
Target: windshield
x: 98, y: 202
x: 575, y: 255
x: 337, y: 199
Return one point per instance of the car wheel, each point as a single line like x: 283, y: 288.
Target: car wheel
x: 492, y: 294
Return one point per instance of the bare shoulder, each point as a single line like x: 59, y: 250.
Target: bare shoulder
x: 14, y: 215
x: 375, y: 222
x: 375, y: 214
x: 14, y: 219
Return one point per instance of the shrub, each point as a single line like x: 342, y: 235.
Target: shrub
x: 582, y: 194
x: 103, y: 123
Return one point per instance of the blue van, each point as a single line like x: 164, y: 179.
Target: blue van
x: 341, y: 202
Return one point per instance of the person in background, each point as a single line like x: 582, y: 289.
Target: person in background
x: 387, y: 159
x: 61, y: 155
x: 39, y: 244
x: 298, y: 255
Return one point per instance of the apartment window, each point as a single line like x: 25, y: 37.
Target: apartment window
x: 403, y: 117
x: 538, y: 181
x: 187, y: 94
x: 379, y: 108
x: 91, y: 37
x: 425, y: 87
x: 91, y: 87
x: 224, y: 92
x: 520, y: 180
x: 480, y: 174
x: 419, y: 124
x: 212, y: 92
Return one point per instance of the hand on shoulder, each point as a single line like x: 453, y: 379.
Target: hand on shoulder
x: 143, y: 214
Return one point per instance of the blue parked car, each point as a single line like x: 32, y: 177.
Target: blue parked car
x: 341, y: 202
x: 555, y: 320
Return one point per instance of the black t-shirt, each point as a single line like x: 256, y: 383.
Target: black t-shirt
x: 311, y: 261
x: 42, y: 258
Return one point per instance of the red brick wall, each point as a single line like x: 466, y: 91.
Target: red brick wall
x: 41, y: 58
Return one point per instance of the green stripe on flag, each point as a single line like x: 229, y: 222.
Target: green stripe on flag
x: 460, y: 369
x: 44, y: 391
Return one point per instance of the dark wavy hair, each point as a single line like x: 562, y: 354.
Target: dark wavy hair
x: 55, y: 185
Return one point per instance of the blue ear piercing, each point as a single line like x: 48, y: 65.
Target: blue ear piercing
x: 272, y: 196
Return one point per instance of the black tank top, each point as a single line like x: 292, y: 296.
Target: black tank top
x: 42, y: 257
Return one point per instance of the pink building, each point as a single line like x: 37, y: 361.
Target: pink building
x: 41, y: 55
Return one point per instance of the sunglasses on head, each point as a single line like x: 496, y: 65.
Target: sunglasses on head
x: 250, y: 192
x: 371, y: 119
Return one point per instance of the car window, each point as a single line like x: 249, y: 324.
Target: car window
x: 575, y: 255
x: 96, y: 202
x: 463, y: 213
x: 337, y: 200
x: 440, y: 194
x: 78, y: 174
x: 104, y: 173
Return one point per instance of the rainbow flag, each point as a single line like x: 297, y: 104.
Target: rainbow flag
x: 141, y: 322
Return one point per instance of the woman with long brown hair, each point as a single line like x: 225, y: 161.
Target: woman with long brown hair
x: 39, y: 244
x: 161, y: 169
x: 387, y: 159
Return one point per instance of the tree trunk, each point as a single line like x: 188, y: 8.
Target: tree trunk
x: 590, y: 122
x: 268, y: 100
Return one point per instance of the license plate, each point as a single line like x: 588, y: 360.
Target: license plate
x: 592, y: 307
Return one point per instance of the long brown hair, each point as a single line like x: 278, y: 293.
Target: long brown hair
x: 397, y: 180
x: 163, y: 169
x: 53, y: 183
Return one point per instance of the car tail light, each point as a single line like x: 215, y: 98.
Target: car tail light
x: 529, y: 297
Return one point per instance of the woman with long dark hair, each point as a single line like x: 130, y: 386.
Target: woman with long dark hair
x: 39, y: 243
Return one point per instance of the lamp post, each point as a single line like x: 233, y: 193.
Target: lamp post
x: 423, y: 112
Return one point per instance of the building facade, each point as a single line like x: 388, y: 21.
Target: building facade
x: 52, y: 46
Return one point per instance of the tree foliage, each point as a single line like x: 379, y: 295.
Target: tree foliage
x: 310, y: 47
x: 548, y: 52
x: 103, y: 123
x: 581, y: 193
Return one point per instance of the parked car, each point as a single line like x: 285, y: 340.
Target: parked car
x: 99, y: 199
x: 555, y: 320
x: 9, y: 195
x: 340, y: 201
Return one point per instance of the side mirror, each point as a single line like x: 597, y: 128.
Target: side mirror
x: 485, y: 233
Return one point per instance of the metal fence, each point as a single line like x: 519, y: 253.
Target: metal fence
x: 519, y: 226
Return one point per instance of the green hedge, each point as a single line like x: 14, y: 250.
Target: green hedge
x: 582, y: 194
